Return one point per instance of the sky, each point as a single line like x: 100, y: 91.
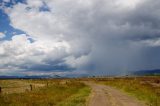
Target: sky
x: 77, y: 37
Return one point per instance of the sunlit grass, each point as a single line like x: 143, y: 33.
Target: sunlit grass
x: 57, y: 93
x: 78, y: 99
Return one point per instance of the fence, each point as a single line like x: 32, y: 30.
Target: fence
x: 3, y: 89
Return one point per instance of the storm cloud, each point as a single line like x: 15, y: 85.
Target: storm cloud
x: 94, y: 37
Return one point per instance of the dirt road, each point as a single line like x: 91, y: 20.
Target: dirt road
x: 107, y: 96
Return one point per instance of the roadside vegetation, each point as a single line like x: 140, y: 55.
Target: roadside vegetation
x: 52, y: 93
x: 146, y: 89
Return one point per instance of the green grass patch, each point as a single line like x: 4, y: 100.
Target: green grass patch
x: 79, y: 99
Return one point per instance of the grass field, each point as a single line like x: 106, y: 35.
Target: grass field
x: 48, y: 93
x: 73, y: 92
x: 146, y: 89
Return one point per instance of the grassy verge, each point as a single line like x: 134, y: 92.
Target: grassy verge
x: 143, y: 92
x: 72, y: 93
x: 79, y: 99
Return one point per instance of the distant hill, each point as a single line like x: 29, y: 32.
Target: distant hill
x: 155, y: 72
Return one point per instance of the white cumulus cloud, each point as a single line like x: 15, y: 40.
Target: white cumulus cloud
x: 101, y: 36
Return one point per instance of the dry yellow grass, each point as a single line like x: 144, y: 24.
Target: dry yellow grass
x: 53, y: 92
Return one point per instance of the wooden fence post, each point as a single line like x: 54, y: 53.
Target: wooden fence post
x: 0, y: 90
x: 31, y: 87
x: 47, y: 84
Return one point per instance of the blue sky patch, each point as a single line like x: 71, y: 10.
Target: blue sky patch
x: 5, y: 26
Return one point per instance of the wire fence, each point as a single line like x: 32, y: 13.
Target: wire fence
x: 3, y: 89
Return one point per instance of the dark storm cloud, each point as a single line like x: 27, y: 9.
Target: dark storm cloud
x: 116, y: 37
x: 144, y: 21
x: 48, y: 68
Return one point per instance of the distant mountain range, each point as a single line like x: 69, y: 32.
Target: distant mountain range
x: 155, y: 72
x: 30, y: 77
x: 147, y: 72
